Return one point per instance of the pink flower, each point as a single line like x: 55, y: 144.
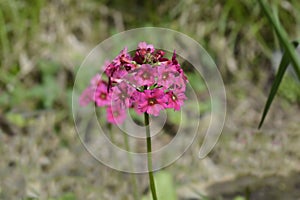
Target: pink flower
x: 159, y: 56
x: 122, y: 64
x: 95, y: 81
x: 144, y: 53
x: 119, y: 73
x: 166, y: 75
x: 135, y: 100
x: 177, y: 65
x: 121, y: 95
x: 110, y: 69
x: 101, y: 96
x: 119, y: 67
x: 146, y: 47
x: 152, y: 101
x: 179, y: 84
x: 115, y: 116
x: 175, y: 99
x: 122, y: 58
x: 145, y: 75
x: 86, y: 97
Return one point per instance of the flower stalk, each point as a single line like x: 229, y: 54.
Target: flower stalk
x: 149, y: 157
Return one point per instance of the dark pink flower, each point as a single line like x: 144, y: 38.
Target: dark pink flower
x: 101, y: 96
x: 175, y: 99
x: 110, y: 69
x: 177, y: 65
x: 158, y: 56
x: 144, y: 53
x: 115, y: 116
x: 152, y: 101
x: 119, y: 67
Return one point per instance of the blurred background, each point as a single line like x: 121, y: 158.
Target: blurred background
x: 42, y: 44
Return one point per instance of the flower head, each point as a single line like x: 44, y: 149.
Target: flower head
x: 147, y: 82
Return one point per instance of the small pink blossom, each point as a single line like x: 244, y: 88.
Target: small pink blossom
x: 177, y: 65
x: 145, y: 75
x: 144, y: 53
x: 119, y: 73
x: 121, y: 95
x: 119, y: 67
x: 122, y: 58
x: 86, y: 97
x: 179, y: 83
x: 159, y: 56
x: 147, y: 47
x: 166, y: 75
x: 175, y: 99
x: 152, y: 101
x: 101, y: 96
x: 110, y: 69
x: 135, y: 100
x: 95, y: 81
x: 115, y: 116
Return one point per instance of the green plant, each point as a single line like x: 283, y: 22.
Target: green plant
x: 290, y: 56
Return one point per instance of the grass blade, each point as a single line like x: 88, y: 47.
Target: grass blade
x: 282, y: 36
x: 285, y: 61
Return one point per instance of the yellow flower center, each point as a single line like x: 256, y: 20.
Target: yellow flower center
x: 103, y: 96
x: 174, y: 98
x: 152, y: 101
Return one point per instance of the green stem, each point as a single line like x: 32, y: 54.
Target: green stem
x: 149, y: 156
x: 111, y: 134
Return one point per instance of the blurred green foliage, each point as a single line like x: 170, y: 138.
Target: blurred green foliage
x: 290, y: 89
x: 19, y: 23
x: 239, y: 198
x: 165, y: 186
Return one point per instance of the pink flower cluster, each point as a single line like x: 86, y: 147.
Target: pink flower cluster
x: 146, y: 81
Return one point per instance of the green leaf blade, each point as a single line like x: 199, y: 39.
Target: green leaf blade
x: 284, y: 63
